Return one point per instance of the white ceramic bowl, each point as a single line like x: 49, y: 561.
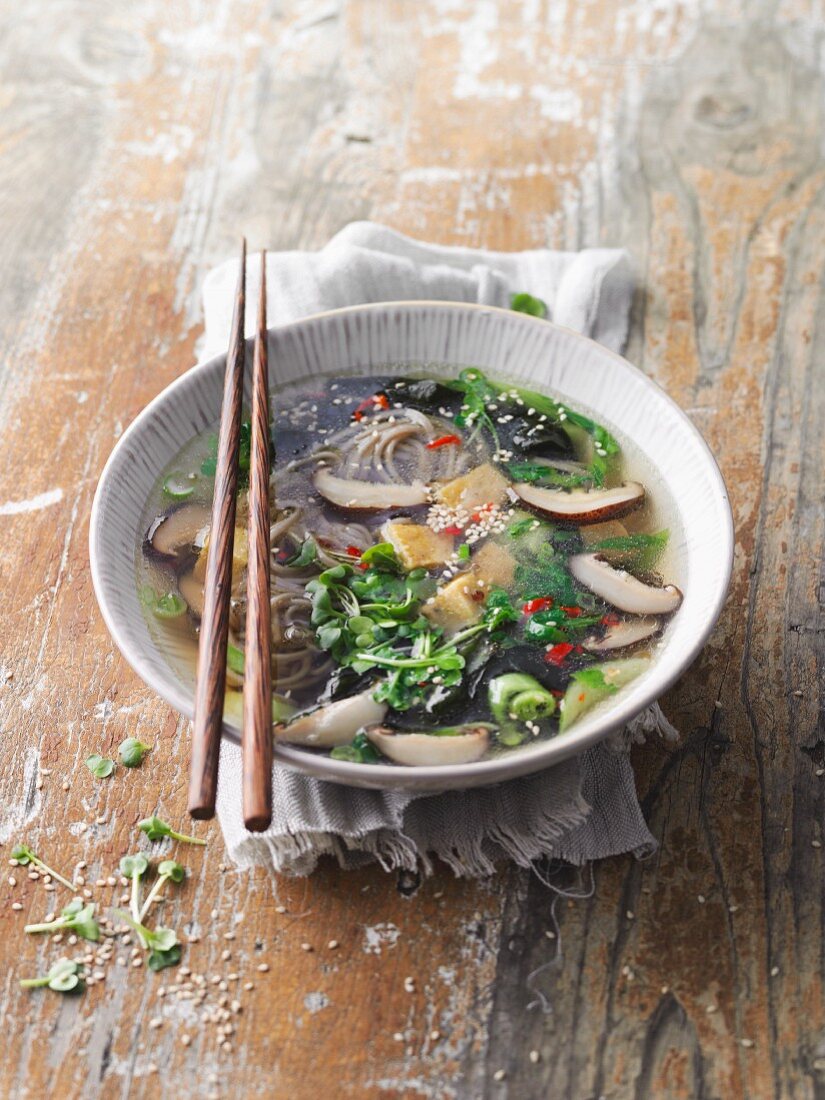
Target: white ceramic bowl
x: 442, y: 338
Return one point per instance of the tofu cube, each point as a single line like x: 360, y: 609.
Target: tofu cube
x: 454, y: 607
x: 483, y: 485
x: 418, y: 546
x: 495, y: 565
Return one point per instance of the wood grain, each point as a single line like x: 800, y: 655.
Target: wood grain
x: 214, y: 628
x: 138, y: 142
x: 256, y: 740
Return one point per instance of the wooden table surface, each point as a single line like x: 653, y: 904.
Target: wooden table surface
x: 138, y: 140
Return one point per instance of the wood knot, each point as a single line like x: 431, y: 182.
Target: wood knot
x: 722, y: 111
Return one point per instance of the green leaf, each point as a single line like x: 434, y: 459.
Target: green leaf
x: 136, y: 865
x: 533, y: 472
x: 100, y: 766
x: 382, y: 556
x: 173, y: 870
x: 132, y: 752
x: 640, y: 551
x: 23, y: 854
x: 156, y: 829
x: 159, y: 960
x: 360, y: 751
x: 526, y: 303
x: 65, y: 976
x: 305, y: 556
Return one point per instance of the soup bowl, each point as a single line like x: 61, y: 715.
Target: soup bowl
x: 666, y: 452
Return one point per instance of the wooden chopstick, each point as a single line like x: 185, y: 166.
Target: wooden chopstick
x: 256, y: 742
x: 211, y: 682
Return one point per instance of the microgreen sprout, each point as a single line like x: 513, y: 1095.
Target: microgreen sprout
x: 134, y: 868
x: 132, y: 752
x: 100, y: 766
x: 75, y: 917
x: 156, y: 829
x: 64, y: 976
x: 162, y: 943
x: 168, y: 871
x: 24, y: 856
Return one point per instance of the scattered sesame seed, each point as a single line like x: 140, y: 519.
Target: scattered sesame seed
x: 774, y: 971
x: 500, y: 1074
x: 534, y: 1056
x: 16, y: 905
x: 409, y: 985
x: 700, y: 898
x: 186, y: 1039
x: 306, y: 947
x: 710, y: 1009
x: 816, y: 843
x: 155, y: 1022
x: 332, y: 945
x: 399, y: 1038
x: 263, y: 967
x: 747, y: 1043
x: 435, y: 1035
x: 12, y: 880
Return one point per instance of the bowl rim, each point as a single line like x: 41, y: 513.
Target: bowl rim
x: 433, y: 777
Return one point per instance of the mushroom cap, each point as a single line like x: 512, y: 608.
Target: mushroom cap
x: 181, y: 529
x: 581, y: 506
x: 369, y: 496
x: 430, y: 749
x: 622, y: 589
x: 332, y: 724
x: 621, y: 635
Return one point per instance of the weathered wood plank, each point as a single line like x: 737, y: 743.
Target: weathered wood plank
x: 137, y: 144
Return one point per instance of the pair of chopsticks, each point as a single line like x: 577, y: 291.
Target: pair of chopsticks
x: 256, y: 741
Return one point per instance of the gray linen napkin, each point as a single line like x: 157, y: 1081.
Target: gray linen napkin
x: 580, y: 810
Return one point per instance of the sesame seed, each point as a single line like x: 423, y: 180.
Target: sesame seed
x: 186, y: 1039
x: 499, y: 1075
x: 747, y: 1043
x: 16, y: 905
x: 700, y: 898
x: 409, y: 985
x: 332, y: 944
x: 399, y: 1038
x: 710, y: 1009
x: 12, y: 880
x: 774, y: 971
x: 263, y: 967
x: 435, y: 1035
x: 248, y: 986
x: 306, y: 947
x: 155, y: 1022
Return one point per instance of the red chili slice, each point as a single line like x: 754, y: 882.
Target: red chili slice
x: 444, y: 441
x: 452, y: 530
x: 557, y: 654
x: 379, y: 399
x: 542, y: 603
x: 610, y: 620
x: 572, y: 612
x: 354, y: 551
